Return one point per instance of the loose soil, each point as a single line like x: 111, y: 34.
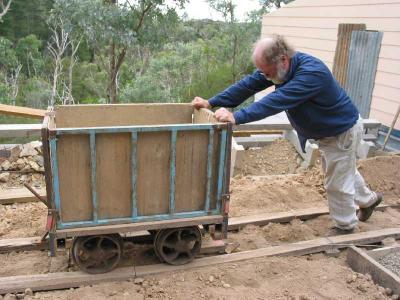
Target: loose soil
x: 278, y: 185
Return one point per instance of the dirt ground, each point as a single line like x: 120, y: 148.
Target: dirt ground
x: 284, y: 187
x: 302, y: 278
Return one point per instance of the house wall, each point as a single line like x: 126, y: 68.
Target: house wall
x: 311, y: 26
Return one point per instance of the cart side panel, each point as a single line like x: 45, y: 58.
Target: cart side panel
x: 153, y: 172
x: 122, y: 115
x: 191, y: 170
x: 113, y: 174
x: 74, y: 172
x: 203, y: 115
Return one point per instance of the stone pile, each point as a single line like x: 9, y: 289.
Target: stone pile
x: 21, y: 159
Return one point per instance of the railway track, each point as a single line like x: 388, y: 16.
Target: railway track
x: 63, y: 280
x: 235, y: 223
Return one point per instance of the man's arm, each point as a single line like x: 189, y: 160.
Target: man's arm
x: 241, y: 90
x: 301, y: 88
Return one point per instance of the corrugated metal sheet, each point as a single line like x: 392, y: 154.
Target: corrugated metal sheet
x: 341, y: 59
x: 361, y: 69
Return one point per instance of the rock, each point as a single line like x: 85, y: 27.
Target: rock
x: 211, y: 278
x: 39, y: 159
x: 350, y: 279
x: 34, y: 165
x: 362, y: 288
x: 36, y: 144
x: 28, y: 292
x: 26, y: 168
x: 6, y: 165
x: 112, y: 293
x: 138, y: 280
x: 388, y: 291
x: 4, y: 177
x: 23, y: 178
x: 125, y: 294
x: 20, y: 296
x: 395, y: 297
x: 28, y: 150
x: 226, y: 285
x: 20, y: 163
x: 368, y: 277
x: 10, y: 297
x: 14, y: 155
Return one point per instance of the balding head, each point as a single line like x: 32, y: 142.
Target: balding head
x: 269, y: 50
x: 272, y: 57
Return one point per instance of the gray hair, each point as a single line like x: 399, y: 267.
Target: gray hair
x: 272, y: 52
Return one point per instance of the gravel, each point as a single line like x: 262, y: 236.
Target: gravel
x: 391, y: 262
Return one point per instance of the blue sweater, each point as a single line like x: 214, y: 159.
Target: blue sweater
x: 313, y: 100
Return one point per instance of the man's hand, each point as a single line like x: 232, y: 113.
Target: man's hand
x: 224, y: 115
x: 199, y: 102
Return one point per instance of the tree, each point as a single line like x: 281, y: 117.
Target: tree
x: 227, y: 8
x: 4, y: 7
x: 112, y: 29
x: 25, y: 18
x: 268, y: 4
x: 57, y: 46
x: 28, y: 54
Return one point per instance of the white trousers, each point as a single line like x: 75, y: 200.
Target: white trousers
x: 345, y: 187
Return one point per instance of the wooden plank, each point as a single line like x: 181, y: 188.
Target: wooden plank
x: 22, y: 244
x: 237, y: 223
x: 52, y: 281
x: 191, y: 170
x: 153, y: 170
x: 122, y: 114
x: 73, y: 152
x: 22, y: 111
x: 130, y: 227
x: 361, y: 262
x: 113, y: 185
x: 20, y: 130
x: 19, y: 195
x: 381, y: 252
x: 204, y: 116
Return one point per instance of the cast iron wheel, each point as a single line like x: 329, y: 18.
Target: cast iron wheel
x: 178, y: 246
x: 97, y: 254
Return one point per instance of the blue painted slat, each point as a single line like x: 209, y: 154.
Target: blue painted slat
x: 137, y: 219
x: 209, y: 168
x: 172, y: 173
x: 221, y: 168
x: 54, y: 167
x: 85, y: 130
x: 93, y: 169
x: 134, y: 137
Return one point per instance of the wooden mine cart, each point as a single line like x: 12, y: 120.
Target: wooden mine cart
x: 113, y: 169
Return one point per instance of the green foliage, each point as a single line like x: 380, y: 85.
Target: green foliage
x: 90, y: 83
x: 166, y: 58
x: 35, y: 92
x: 28, y: 54
x: 8, y: 58
x: 25, y: 18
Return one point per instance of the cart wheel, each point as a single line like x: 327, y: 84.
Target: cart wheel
x: 178, y: 246
x: 97, y: 253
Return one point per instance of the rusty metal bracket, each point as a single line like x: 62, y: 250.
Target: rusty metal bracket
x: 32, y: 190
